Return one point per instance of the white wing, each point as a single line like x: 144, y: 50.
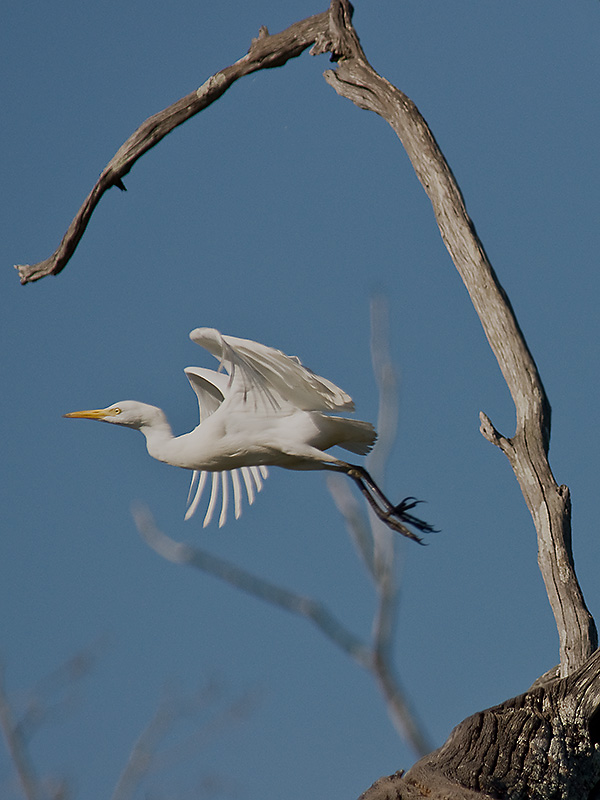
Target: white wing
x: 210, y: 388
x: 271, y: 375
x: 253, y: 481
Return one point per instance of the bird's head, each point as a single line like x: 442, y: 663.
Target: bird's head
x: 129, y: 413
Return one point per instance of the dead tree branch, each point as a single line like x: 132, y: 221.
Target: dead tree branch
x: 375, y: 543
x: 149, y: 752
x: 527, y: 450
x: 265, y: 52
x: 18, y: 727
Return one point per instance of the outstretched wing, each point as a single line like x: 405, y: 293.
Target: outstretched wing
x: 210, y: 387
x: 252, y: 478
x: 271, y: 375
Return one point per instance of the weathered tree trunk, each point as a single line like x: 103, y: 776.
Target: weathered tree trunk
x: 542, y: 744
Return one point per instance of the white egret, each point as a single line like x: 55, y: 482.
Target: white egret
x: 266, y: 409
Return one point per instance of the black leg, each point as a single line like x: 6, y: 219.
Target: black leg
x: 393, y: 515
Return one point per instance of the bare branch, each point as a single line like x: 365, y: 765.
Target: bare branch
x: 142, y: 754
x: 357, y: 524
x: 313, y: 610
x: 386, y: 378
x: 384, y: 624
x: 265, y: 52
x: 305, y: 607
x: 527, y: 449
x: 146, y: 756
x: 16, y: 747
x: 375, y: 543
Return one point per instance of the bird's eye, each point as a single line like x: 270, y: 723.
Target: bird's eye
x: 115, y: 411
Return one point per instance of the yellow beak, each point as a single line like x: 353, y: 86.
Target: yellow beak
x: 96, y: 413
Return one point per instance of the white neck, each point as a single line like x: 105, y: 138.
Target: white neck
x: 159, y: 438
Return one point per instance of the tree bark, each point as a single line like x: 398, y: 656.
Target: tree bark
x: 542, y: 744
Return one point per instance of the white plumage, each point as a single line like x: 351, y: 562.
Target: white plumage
x: 260, y: 408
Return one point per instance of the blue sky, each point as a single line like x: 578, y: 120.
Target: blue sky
x: 275, y: 215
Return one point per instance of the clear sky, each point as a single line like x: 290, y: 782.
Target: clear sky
x: 275, y: 215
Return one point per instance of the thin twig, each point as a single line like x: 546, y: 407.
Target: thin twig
x: 385, y: 620
x: 355, y: 518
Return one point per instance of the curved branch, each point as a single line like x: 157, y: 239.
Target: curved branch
x: 527, y: 450
x: 265, y: 52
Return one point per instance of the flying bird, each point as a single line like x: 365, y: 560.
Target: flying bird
x: 260, y: 408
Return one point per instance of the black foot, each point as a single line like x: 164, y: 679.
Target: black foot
x: 402, y: 509
x: 395, y: 517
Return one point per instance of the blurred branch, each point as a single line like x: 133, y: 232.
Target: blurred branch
x: 179, y: 553
x: 376, y: 544
x: 402, y: 715
x: 41, y: 704
x: 145, y: 756
x: 54, y: 694
x: 365, y: 655
x: 17, y: 747
x: 527, y: 450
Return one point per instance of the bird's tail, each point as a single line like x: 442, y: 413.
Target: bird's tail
x: 355, y: 435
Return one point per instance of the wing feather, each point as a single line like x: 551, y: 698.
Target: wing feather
x: 237, y: 492
x: 249, y: 484
x: 209, y: 387
x: 256, y: 474
x: 193, y: 482
x: 225, y: 498
x: 200, y: 477
x: 214, y: 496
x: 253, y: 481
x: 272, y: 372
